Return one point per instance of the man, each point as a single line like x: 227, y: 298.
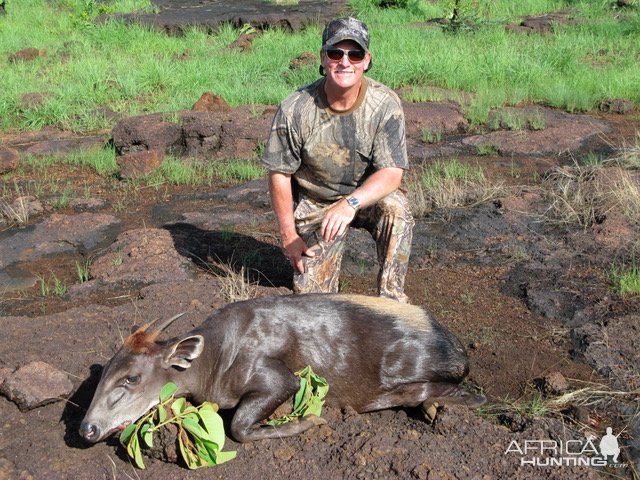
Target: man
x: 336, y: 155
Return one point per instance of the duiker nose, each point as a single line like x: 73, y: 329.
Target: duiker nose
x: 89, y: 432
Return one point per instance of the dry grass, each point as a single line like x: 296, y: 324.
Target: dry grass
x: 585, y: 194
x: 16, y: 213
x: 450, y: 185
x: 234, y: 284
x: 629, y: 156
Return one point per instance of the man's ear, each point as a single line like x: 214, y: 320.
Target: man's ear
x: 182, y: 352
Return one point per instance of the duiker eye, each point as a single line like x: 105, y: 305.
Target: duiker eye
x: 132, y: 380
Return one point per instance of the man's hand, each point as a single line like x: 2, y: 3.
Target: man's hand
x: 337, y: 220
x: 295, y: 249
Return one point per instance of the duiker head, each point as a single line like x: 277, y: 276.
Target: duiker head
x: 131, y: 381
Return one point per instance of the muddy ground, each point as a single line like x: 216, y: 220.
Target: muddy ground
x: 529, y: 297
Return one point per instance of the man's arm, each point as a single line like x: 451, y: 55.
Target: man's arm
x: 380, y: 184
x: 293, y: 246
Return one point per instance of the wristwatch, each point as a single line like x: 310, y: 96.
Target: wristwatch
x: 353, y: 201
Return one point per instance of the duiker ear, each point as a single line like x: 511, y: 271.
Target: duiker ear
x: 182, y: 352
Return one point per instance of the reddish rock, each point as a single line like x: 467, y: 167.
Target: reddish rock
x: 142, y: 256
x: 4, y: 373
x: 9, y: 159
x: 139, y: 164
x: 617, y: 105
x: 554, y: 383
x: 147, y: 132
x: 210, y: 102
x: 36, y: 384
x: 33, y: 99
x: 243, y: 42
x: 305, y: 58
x: 27, y: 54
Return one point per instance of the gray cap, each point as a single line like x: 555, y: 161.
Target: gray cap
x: 348, y: 28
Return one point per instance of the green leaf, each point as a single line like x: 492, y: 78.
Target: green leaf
x: 178, y: 406
x: 134, y: 452
x: 225, y: 457
x: 168, y: 390
x: 125, y: 435
x: 193, y: 427
x: 212, y: 423
x: 162, y: 414
x: 147, y: 435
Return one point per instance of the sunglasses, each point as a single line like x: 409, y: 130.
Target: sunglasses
x: 355, y: 56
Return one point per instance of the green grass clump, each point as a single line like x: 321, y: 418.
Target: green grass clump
x: 451, y: 171
x: 177, y: 172
x: 626, y: 279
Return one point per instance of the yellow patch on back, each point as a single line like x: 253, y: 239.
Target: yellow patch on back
x: 410, y: 315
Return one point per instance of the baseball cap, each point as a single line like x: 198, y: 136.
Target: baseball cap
x: 347, y: 28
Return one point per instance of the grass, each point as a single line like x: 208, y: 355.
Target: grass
x: 17, y: 212
x: 51, y: 286
x: 87, y: 66
x: 431, y: 136
x: 234, y: 284
x: 449, y: 184
x: 177, y: 172
x: 82, y: 270
x: 626, y: 278
x: 584, y: 194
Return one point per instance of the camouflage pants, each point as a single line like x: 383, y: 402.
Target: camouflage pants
x: 389, y: 222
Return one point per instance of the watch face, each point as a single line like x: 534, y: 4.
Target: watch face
x: 353, y: 201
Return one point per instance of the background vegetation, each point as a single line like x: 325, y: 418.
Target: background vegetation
x: 89, y: 64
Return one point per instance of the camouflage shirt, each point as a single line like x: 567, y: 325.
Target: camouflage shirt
x: 330, y: 153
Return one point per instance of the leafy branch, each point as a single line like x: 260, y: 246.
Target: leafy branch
x: 309, y: 398
x: 200, y: 431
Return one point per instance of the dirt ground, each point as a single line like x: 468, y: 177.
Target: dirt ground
x: 527, y: 297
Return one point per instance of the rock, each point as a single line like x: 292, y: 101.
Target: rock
x: 26, y: 55
x: 147, y: 132
x: 9, y: 159
x: 562, y: 132
x: 59, y: 234
x: 33, y: 99
x: 243, y: 42
x: 36, y: 384
x: 305, y: 58
x: 176, y: 17
x: 4, y: 373
x: 617, y: 105
x: 554, y: 384
x: 65, y: 145
x: 87, y: 203
x: 142, y: 256
x: 139, y: 164
x: 210, y: 102
x: 254, y: 192
x: 202, y: 133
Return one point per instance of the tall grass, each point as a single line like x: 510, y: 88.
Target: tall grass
x: 449, y: 184
x: 133, y: 69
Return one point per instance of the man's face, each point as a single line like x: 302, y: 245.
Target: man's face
x: 348, y: 70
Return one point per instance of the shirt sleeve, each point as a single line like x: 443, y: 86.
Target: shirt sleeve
x: 283, y: 150
x: 390, y: 144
